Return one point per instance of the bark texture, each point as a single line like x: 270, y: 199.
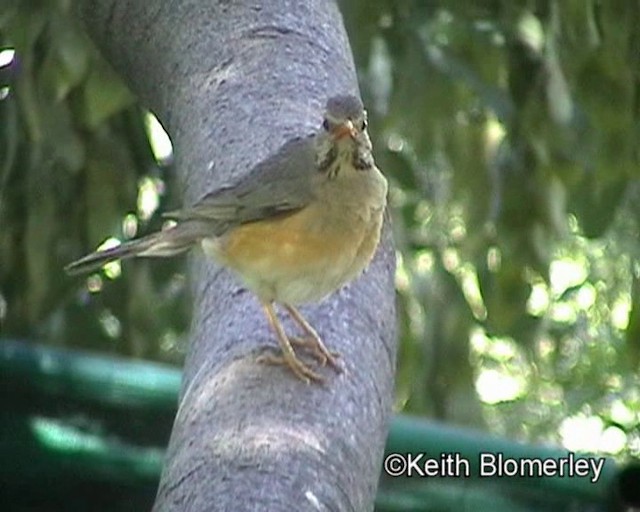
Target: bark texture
x: 231, y: 82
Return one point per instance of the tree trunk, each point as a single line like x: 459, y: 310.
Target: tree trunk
x: 231, y: 82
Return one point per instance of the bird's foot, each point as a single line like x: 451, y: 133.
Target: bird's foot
x: 318, y: 350
x: 300, y: 369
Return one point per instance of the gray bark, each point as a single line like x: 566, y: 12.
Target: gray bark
x: 231, y: 82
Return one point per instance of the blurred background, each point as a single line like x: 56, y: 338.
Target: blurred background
x: 509, y: 131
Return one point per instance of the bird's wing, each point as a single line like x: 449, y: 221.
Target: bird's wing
x: 281, y: 183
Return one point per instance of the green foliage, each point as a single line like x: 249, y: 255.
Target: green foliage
x: 73, y: 149
x: 510, y: 132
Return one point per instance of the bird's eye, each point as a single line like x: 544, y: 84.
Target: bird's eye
x: 325, y: 124
x: 364, y: 125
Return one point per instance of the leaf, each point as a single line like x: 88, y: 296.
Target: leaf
x: 103, y: 95
x: 632, y: 334
x: 595, y: 204
x: 66, y: 60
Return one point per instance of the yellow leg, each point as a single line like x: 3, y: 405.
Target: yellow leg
x: 315, y: 344
x: 288, y: 357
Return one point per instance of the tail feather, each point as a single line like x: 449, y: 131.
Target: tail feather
x: 168, y: 242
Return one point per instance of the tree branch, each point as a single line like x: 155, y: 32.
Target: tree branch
x: 232, y: 81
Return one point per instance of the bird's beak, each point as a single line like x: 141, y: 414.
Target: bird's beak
x: 343, y: 130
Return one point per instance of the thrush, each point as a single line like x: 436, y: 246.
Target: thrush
x: 300, y: 225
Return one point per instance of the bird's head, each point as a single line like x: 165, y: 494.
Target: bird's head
x: 343, y: 137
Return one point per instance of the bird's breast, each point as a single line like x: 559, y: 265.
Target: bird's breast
x: 305, y: 255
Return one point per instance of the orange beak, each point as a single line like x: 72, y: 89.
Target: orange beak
x: 343, y: 130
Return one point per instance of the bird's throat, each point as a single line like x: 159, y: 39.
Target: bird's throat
x: 345, y: 157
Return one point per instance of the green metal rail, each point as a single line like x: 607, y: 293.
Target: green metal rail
x: 66, y: 428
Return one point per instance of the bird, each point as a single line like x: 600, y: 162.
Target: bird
x: 300, y: 225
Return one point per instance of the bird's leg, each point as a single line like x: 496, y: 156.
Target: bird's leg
x: 288, y: 357
x: 313, y: 342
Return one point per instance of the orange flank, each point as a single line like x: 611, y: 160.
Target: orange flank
x: 289, y: 245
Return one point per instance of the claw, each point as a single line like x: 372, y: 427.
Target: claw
x: 301, y: 370
x: 313, y: 342
x: 322, y: 356
x: 288, y: 357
